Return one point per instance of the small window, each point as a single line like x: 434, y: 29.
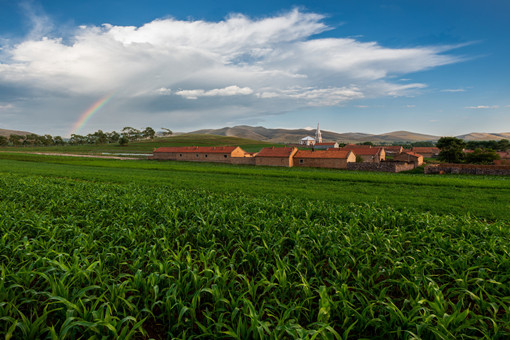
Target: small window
x: 197, y: 155
x: 225, y: 156
x: 301, y: 161
x: 205, y: 156
x: 180, y: 155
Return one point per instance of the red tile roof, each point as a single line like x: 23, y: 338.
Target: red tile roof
x: 275, y: 152
x: 325, y: 144
x: 322, y: 154
x: 360, y: 151
x: 410, y: 153
x: 197, y: 149
x: 425, y: 149
x: 391, y: 148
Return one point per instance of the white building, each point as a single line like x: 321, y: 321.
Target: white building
x: 307, y: 141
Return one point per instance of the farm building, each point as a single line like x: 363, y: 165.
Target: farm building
x: 325, y: 146
x: 393, y: 150
x: 426, y: 151
x: 368, y: 154
x: 276, y: 156
x: 307, y: 141
x: 337, y: 159
x: 219, y: 154
x: 409, y: 157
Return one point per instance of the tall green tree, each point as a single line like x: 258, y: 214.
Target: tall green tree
x: 167, y: 132
x: 131, y: 133
x: 480, y: 156
x: 100, y: 137
x: 452, y: 149
x: 77, y: 139
x: 4, y: 141
x: 46, y: 140
x: 113, y: 137
x: 148, y: 133
x: 16, y: 139
x: 123, y: 140
x: 57, y: 140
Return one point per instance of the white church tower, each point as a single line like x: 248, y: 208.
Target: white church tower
x: 318, y: 135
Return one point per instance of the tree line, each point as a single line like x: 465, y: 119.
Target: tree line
x: 453, y: 150
x: 126, y: 135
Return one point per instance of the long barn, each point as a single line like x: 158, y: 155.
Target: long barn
x: 218, y: 154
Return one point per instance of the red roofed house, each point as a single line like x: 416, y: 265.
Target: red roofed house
x: 393, y: 150
x: 219, y: 154
x: 325, y: 146
x: 426, y: 151
x: 336, y: 159
x: 370, y: 155
x: 409, y: 157
x: 275, y: 156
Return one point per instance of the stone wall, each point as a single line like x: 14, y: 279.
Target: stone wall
x: 383, y: 166
x: 468, y: 169
x: 242, y: 160
x: 333, y: 163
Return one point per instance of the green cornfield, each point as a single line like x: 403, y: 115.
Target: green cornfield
x: 92, y: 260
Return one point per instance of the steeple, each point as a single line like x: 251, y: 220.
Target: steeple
x: 318, y: 135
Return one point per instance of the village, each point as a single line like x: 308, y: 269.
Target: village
x: 309, y: 152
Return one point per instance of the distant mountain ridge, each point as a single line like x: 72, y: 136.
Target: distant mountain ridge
x: 294, y: 135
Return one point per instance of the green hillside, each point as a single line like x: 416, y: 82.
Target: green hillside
x: 147, y: 146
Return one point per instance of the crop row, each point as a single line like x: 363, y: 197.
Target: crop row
x: 81, y: 259
x: 481, y: 197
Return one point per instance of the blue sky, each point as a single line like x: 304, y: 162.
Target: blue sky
x: 435, y: 67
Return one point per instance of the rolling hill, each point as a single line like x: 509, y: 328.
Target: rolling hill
x: 293, y: 136
x: 7, y: 133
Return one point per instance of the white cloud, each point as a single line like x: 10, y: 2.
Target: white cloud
x: 164, y: 91
x: 313, y: 96
x: 482, y: 107
x: 264, y: 65
x: 410, y: 106
x: 41, y: 24
x: 223, y: 92
x: 453, y: 90
x: 6, y: 107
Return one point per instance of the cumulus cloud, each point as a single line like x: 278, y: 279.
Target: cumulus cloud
x: 226, y: 91
x: 263, y: 66
x: 482, y: 107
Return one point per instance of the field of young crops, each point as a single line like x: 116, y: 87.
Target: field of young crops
x: 82, y: 258
x: 482, y: 197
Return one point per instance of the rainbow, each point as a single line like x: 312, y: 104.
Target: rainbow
x: 85, y: 116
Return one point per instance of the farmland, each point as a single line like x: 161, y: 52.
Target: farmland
x: 140, y: 249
